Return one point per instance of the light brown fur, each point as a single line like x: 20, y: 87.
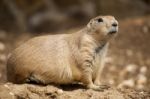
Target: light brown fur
x: 64, y: 58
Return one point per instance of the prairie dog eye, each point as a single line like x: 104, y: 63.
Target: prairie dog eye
x: 99, y: 20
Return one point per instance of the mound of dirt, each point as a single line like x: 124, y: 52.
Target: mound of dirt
x: 28, y: 91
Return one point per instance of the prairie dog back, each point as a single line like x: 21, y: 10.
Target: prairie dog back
x: 38, y: 57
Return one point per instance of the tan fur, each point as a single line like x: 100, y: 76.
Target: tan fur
x: 64, y: 58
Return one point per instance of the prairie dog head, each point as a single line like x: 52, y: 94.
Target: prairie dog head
x: 103, y: 25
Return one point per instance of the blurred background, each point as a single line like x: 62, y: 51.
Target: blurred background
x: 128, y: 59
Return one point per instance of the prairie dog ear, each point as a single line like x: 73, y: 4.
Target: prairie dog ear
x: 88, y: 25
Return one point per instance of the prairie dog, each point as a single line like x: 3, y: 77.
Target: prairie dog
x: 64, y: 58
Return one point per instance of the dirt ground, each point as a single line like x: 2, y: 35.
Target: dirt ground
x: 27, y: 91
x: 127, y: 68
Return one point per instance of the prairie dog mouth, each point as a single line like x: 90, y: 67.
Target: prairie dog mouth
x: 113, y: 32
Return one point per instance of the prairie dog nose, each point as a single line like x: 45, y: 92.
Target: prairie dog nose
x: 115, y: 24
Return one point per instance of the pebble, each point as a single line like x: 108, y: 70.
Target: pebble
x: 145, y: 29
x: 141, y: 79
x: 108, y: 60
x: 127, y: 83
x: 11, y: 93
x: 6, y: 86
x: 59, y: 91
x: 2, y: 46
x: 3, y: 58
x: 143, y: 69
x: 140, y: 86
x: 131, y: 68
x: 111, y: 81
x: 2, y: 35
x: 141, y: 92
x: 113, y: 68
x: 129, y: 52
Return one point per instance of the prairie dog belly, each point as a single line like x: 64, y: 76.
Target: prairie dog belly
x: 99, y: 61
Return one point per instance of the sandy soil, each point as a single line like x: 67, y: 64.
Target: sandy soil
x: 28, y: 91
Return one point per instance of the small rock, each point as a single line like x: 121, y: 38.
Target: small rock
x: 141, y: 79
x: 2, y: 46
x: 140, y: 86
x: 59, y: 91
x: 113, y: 68
x: 108, y: 60
x: 141, y: 92
x: 2, y: 58
x: 111, y: 81
x: 2, y: 35
x: 143, y: 69
x: 11, y: 93
x: 6, y: 86
x: 129, y: 52
x: 127, y: 83
x: 131, y: 68
x: 145, y: 29
x: 90, y: 94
